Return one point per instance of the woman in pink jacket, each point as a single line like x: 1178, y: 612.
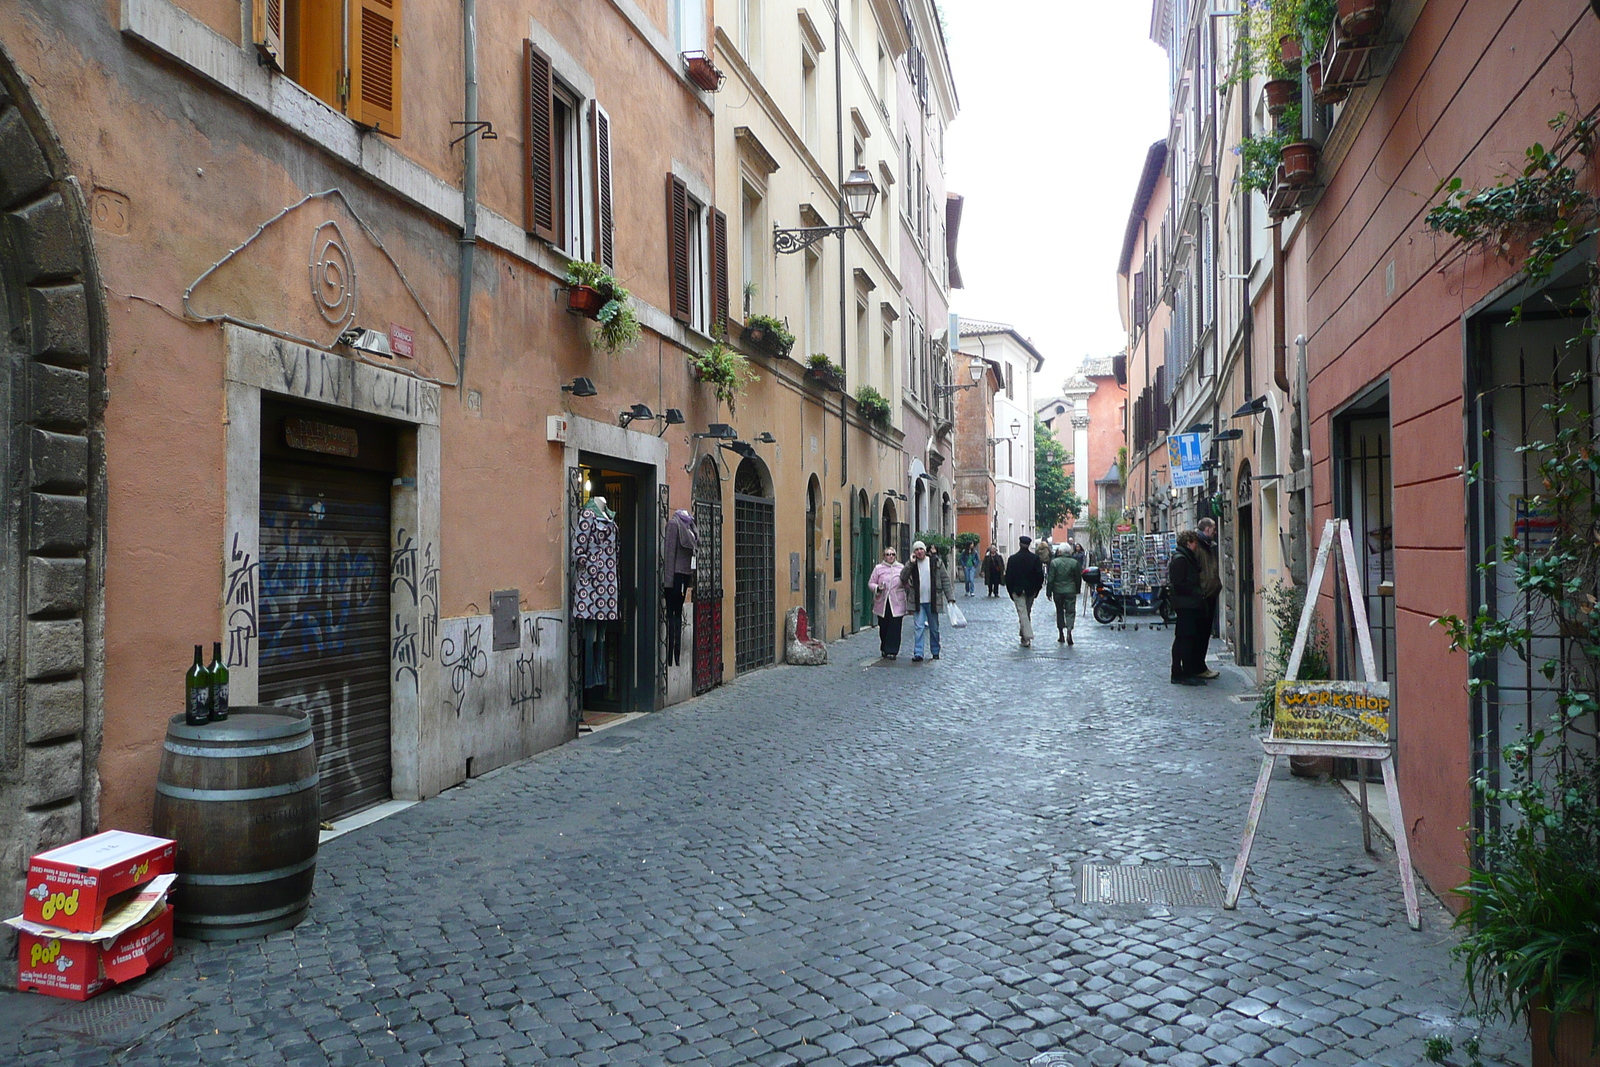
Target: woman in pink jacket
x: 888, y: 603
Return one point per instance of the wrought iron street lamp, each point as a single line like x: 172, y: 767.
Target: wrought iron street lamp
x: 976, y: 370
x: 860, y: 196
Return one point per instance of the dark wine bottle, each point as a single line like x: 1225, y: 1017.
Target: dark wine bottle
x: 197, y: 692
x: 219, y: 684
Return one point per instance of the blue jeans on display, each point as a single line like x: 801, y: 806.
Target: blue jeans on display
x: 927, y: 619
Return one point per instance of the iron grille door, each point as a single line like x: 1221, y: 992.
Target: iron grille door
x: 755, y: 598
x: 325, y: 620
x: 574, y: 632
x: 708, y: 596
x: 663, y: 516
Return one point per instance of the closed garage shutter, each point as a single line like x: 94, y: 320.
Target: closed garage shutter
x: 324, y: 619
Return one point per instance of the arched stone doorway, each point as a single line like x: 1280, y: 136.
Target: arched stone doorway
x: 754, y: 593
x: 52, y: 330
x: 1244, y: 532
x: 708, y: 576
x: 862, y: 558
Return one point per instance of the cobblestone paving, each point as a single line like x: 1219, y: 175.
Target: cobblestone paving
x: 865, y: 863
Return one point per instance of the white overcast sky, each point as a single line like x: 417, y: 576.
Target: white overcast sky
x: 1060, y: 101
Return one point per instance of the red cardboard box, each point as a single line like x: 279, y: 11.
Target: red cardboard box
x: 63, y: 966
x: 68, y: 887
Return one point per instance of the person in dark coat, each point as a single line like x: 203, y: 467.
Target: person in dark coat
x: 994, y: 570
x: 1211, y: 589
x: 1183, y: 591
x: 1024, y: 579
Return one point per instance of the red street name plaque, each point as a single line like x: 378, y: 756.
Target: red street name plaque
x: 312, y: 435
x: 402, y: 342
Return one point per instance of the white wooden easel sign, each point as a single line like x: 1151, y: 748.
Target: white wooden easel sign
x: 1348, y: 719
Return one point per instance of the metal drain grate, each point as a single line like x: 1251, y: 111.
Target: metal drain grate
x: 117, y: 1019
x: 1181, y: 887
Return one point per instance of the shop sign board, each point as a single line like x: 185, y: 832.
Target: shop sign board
x: 1184, y: 461
x: 1331, y: 713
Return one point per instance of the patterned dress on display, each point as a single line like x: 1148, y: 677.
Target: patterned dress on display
x: 594, y: 558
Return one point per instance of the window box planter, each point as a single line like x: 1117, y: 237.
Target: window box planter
x: 763, y: 338
x: 827, y: 377
x: 1299, y: 163
x: 1281, y: 93
x: 585, y: 300
x: 1331, y: 94
x: 1360, y: 19
x: 702, y: 71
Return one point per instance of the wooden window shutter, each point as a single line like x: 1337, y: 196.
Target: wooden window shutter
x: 678, y: 247
x: 375, y: 64
x: 267, y: 30
x: 604, y: 215
x: 539, y: 128
x: 719, y: 268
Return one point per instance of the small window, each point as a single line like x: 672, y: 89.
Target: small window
x: 754, y: 238
x: 689, y: 25
x: 810, y: 131
x: 344, y: 52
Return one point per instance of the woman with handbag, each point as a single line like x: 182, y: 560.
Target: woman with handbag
x: 888, y: 603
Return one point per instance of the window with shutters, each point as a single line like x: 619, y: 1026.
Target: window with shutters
x: 697, y: 259
x: 346, y: 53
x: 750, y: 33
x: 567, y: 179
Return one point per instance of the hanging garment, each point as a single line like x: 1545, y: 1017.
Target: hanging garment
x: 681, y: 542
x: 594, y: 562
x: 674, y: 594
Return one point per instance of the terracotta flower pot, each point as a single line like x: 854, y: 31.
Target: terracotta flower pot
x: 1299, y: 163
x: 1329, y: 95
x: 1361, y: 18
x: 703, y: 72
x: 585, y: 300
x: 1571, y: 1045
x: 1281, y: 93
x: 1289, y: 51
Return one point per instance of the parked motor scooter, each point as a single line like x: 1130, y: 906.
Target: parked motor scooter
x: 1111, y: 606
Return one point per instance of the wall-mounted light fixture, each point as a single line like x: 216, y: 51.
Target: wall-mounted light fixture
x: 1016, y: 432
x: 636, y: 413
x: 765, y: 438
x: 369, y: 341
x: 976, y: 370
x: 743, y: 449
x: 1228, y: 435
x: 719, y: 431
x: 1198, y: 427
x: 580, y: 387
x: 1251, y: 407
x: 860, y: 194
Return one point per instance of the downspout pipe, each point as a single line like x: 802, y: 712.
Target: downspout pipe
x: 1280, y: 341
x: 844, y: 220
x: 468, y: 242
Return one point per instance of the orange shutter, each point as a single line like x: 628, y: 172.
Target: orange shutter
x: 719, y: 273
x: 678, y: 247
x: 539, y: 124
x: 604, y: 217
x: 267, y: 31
x: 375, y: 64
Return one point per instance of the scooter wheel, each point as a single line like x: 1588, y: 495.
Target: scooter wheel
x: 1104, y: 612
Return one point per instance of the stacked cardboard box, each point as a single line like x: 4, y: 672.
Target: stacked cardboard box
x: 95, y: 914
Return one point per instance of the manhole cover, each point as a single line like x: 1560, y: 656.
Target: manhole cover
x: 1181, y: 887
x: 117, y: 1019
x: 1053, y: 1059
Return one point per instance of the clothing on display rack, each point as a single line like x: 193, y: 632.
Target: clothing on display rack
x: 594, y: 562
x: 594, y: 654
x: 678, y: 554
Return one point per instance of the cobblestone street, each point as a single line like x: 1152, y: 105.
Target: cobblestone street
x: 864, y: 863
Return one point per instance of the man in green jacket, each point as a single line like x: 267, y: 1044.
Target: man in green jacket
x: 1063, y: 585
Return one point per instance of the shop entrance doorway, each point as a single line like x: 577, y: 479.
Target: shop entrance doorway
x: 617, y: 669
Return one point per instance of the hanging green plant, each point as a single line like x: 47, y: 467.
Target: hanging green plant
x: 725, y: 369
x: 873, y: 405
x: 618, y: 327
x: 769, y: 335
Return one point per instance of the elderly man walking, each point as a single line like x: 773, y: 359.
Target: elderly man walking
x: 1210, y: 589
x: 1024, y: 579
x: 1064, y: 583
x: 927, y: 586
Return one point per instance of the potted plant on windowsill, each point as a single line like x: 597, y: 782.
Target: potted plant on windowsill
x: 723, y: 368
x: 1359, y: 19
x: 767, y: 334
x: 873, y: 405
x: 593, y: 293
x: 1300, y: 162
x: 702, y: 71
x: 821, y: 369
x: 1282, y: 94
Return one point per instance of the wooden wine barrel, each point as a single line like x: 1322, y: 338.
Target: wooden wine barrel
x: 240, y: 798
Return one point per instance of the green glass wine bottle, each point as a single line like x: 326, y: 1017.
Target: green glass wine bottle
x: 197, y: 692
x: 219, y: 683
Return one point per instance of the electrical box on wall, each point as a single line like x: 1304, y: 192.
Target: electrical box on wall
x: 556, y: 428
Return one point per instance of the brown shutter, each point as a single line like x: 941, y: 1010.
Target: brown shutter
x: 375, y: 64
x: 539, y: 125
x: 678, y: 247
x: 267, y: 19
x: 604, y: 217
x: 719, y: 269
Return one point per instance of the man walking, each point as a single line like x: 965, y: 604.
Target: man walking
x: 1024, y: 579
x: 1063, y: 585
x: 1211, y: 589
x: 1183, y: 590
x: 927, y: 586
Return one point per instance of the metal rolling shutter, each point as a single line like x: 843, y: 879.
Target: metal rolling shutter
x: 324, y: 619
